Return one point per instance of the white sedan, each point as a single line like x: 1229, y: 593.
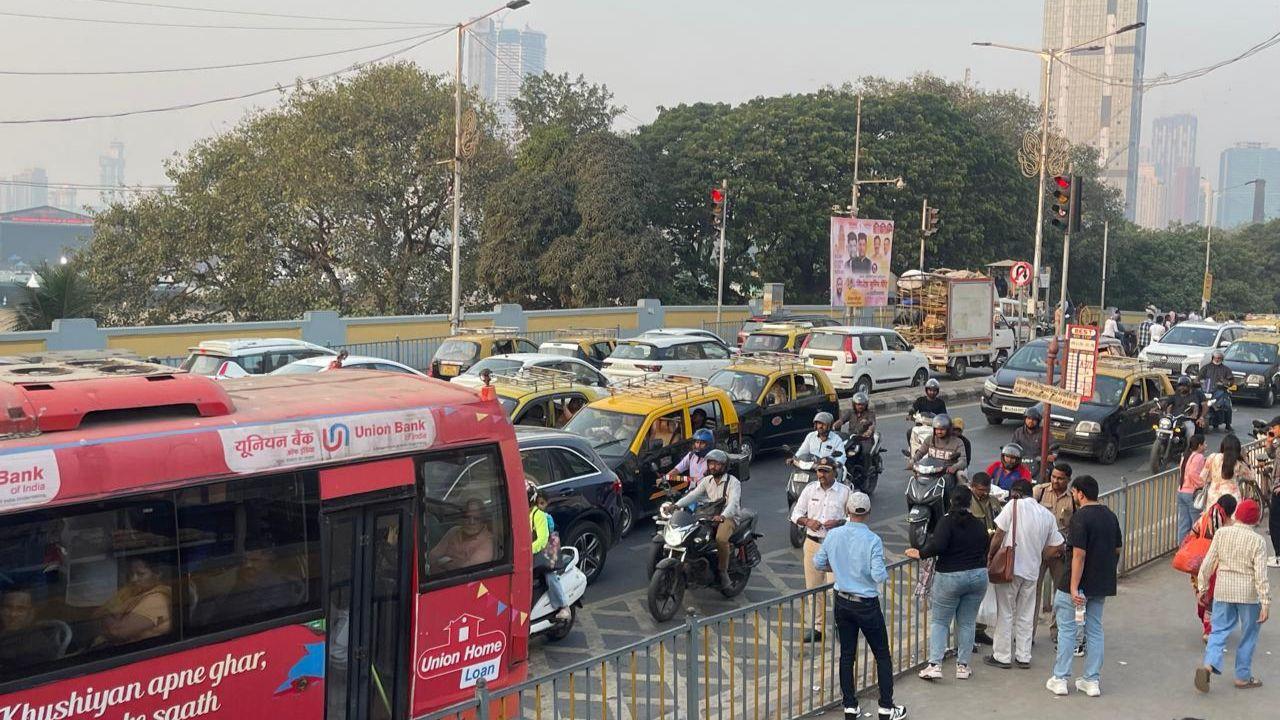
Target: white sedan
x: 511, y: 363
x: 352, y: 362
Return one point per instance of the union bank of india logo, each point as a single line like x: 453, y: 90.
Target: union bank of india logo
x: 335, y: 437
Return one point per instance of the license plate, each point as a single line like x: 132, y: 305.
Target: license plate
x: 800, y: 477
x: 1059, y: 434
x: 448, y: 370
x: 1013, y: 409
x: 823, y: 362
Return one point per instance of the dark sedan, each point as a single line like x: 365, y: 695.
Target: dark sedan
x: 584, y: 496
x: 1030, y: 361
x: 1255, y: 363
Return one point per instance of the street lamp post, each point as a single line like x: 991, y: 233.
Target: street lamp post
x: 455, y: 284
x: 1048, y: 56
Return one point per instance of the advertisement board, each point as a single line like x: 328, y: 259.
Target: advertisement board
x: 861, y: 251
x: 1082, y: 359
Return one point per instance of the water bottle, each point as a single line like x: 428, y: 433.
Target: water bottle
x: 1080, y: 614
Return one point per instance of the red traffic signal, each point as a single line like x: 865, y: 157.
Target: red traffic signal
x: 1066, y: 198
x: 717, y: 196
x: 717, y: 206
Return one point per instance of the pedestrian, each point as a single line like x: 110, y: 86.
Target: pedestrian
x: 1110, y: 326
x: 1241, y: 595
x: 1055, y: 496
x: 855, y: 555
x: 1218, y: 515
x: 985, y: 507
x: 1158, y: 329
x: 1222, y: 470
x: 819, y: 508
x: 960, y: 544
x: 1033, y: 533
x: 1095, y: 541
x: 1273, y: 522
x: 1144, y: 330
x: 1191, y: 466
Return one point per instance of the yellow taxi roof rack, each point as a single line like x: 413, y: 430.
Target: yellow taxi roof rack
x: 785, y: 325
x: 774, y: 359
x: 1132, y: 364
x: 587, y: 332
x: 662, y: 387
x: 536, y: 378
x: 494, y: 331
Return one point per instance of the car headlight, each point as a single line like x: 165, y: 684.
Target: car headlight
x: 989, y: 386
x: 1254, y: 380
x: 1087, y: 427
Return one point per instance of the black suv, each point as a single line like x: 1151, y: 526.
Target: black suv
x: 584, y: 496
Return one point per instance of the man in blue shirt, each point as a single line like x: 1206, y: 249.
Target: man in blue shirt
x: 855, y: 555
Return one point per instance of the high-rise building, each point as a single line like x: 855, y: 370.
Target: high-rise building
x: 1173, y: 152
x: 27, y: 189
x: 499, y: 59
x: 1151, y: 200
x: 1238, y: 165
x: 111, y: 170
x: 63, y: 198
x: 1095, y: 96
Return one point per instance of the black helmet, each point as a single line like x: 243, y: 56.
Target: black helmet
x: 1183, y: 380
x: 1033, y: 412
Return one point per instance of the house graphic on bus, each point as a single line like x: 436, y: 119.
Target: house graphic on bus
x: 467, y: 649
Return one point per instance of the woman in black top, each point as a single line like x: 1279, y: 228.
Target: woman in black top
x: 960, y: 545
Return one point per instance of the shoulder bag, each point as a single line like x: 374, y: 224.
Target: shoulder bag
x: 1000, y: 567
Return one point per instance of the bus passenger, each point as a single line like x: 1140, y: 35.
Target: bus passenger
x: 470, y: 543
x: 23, y: 641
x: 258, y: 588
x: 140, y: 610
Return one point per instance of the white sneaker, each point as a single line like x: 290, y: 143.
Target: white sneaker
x: 963, y: 672
x: 852, y: 712
x: 1274, y: 561
x: 931, y: 672
x: 897, y: 712
x: 1088, y: 687
x: 1057, y: 686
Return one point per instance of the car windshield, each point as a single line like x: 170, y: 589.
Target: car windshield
x: 1194, y: 336
x: 495, y: 366
x: 1106, y: 390
x: 634, y: 351
x: 1031, y: 358
x: 457, y: 351
x: 610, y: 433
x: 299, y: 368
x: 205, y: 364
x: 560, y: 350
x: 1251, y: 352
x: 741, y: 386
x: 757, y: 342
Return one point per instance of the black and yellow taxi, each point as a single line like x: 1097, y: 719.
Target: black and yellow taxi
x: 592, y: 345
x: 542, y: 397
x: 776, y: 396
x: 1117, y: 417
x: 781, y: 337
x: 645, y: 426
x: 469, y: 346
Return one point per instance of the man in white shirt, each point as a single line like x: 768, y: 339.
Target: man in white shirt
x: 822, y: 442
x: 1033, y: 530
x: 1111, y: 328
x: 719, y: 496
x: 819, y: 508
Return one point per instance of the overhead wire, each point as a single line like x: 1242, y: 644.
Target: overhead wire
x: 202, y: 68
x: 1174, y: 79
x: 201, y: 26
x: 86, y: 186
x: 253, y: 13
x: 229, y: 98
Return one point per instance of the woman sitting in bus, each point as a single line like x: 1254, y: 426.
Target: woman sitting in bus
x: 140, y: 610
x: 468, y: 544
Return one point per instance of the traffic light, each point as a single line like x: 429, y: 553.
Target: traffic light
x: 717, y: 206
x: 1066, y: 202
x: 931, y: 221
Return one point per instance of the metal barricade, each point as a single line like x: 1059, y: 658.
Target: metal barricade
x: 414, y: 352
x: 726, y: 330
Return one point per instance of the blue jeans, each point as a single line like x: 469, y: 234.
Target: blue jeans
x: 1225, y: 617
x: 1094, y: 641
x: 955, y: 597
x: 1186, y: 514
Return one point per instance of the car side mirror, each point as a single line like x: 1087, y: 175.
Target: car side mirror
x: 1224, y: 343
x: 768, y: 400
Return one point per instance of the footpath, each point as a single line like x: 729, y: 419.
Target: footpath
x: 1153, y: 648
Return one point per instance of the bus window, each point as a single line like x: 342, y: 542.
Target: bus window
x: 85, y: 583
x: 250, y: 550
x: 465, y: 516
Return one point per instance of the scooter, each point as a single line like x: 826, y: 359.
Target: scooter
x: 1170, y: 439
x: 689, y: 548
x: 542, y: 619
x: 862, y: 479
x: 926, y: 499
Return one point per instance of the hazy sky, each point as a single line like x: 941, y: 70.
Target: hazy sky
x: 649, y: 52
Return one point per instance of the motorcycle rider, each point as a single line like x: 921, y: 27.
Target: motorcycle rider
x: 694, y: 463
x: 1027, y: 437
x: 822, y: 442
x: 1009, y: 468
x: 861, y: 420
x: 932, y: 402
x: 1186, y: 398
x: 719, y: 496
x: 945, y: 447
x: 1215, y: 379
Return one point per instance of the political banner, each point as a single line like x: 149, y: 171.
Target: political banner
x: 860, y: 253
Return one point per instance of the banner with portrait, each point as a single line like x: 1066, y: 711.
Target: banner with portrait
x: 860, y: 254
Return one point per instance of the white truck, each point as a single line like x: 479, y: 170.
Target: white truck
x: 951, y: 317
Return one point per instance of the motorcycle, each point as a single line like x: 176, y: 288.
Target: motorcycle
x: 864, y: 479
x: 667, y: 491
x: 542, y: 619
x: 1170, y: 439
x: 926, y: 499
x: 921, y: 432
x: 689, y: 549
x: 1218, y: 404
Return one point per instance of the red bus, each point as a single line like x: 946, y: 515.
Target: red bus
x: 339, y: 545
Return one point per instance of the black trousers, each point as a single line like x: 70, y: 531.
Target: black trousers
x: 863, y: 616
x: 1273, y: 520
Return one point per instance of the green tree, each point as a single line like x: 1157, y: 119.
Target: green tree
x: 573, y: 104
x: 336, y: 199
x: 60, y: 291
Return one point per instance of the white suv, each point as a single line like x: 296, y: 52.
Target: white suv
x: 1187, y: 346
x: 669, y: 354
x: 248, y: 356
x: 863, y: 359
